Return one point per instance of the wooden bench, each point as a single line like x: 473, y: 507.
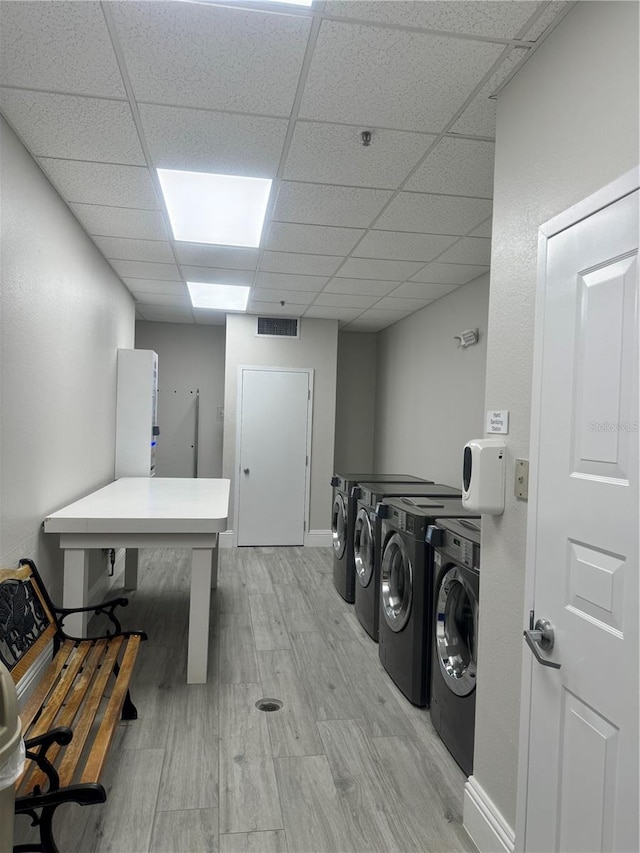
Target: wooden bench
x: 69, y: 720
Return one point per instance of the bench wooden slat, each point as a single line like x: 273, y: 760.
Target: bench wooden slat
x: 102, y: 742
x: 83, y: 726
x: 51, y: 675
x: 71, y: 705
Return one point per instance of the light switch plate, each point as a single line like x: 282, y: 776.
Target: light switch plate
x: 522, y: 479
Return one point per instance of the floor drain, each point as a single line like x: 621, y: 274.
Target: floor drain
x: 268, y: 705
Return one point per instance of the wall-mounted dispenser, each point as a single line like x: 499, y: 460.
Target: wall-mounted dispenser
x: 483, y: 476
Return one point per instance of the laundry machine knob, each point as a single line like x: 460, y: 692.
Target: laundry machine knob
x: 435, y: 536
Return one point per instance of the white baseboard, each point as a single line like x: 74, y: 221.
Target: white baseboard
x: 488, y: 829
x: 318, y: 539
x: 227, y: 539
x: 31, y: 678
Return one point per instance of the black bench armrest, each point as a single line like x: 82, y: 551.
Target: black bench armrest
x: 62, y: 736
x: 106, y: 608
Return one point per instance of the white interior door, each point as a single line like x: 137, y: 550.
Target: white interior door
x: 178, y: 422
x: 582, y: 781
x: 275, y: 418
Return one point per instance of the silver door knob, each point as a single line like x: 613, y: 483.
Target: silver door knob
x: 246, y: 470
x: 542, y: 636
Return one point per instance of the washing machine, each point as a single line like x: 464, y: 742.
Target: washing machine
x: 366, y: 541
x: 406, y: 590
x: 343, y: 516
x: 454, y: 639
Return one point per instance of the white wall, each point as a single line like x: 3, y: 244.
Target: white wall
x: 567, y: 125
x: 63, y: 315
x: 316, y: 348
x: 430, y: 394
x: 355, y: 401
x: 192, y: 357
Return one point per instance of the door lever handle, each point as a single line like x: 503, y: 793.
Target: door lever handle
x: 542, y: 637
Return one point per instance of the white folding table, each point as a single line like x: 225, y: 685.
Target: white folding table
x: 147, y: 512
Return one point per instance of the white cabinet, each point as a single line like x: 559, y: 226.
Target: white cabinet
x: 136, y: 413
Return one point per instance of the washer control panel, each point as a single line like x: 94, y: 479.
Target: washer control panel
x: 459, y: 548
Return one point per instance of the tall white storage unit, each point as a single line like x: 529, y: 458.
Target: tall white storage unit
x: 136, y: 413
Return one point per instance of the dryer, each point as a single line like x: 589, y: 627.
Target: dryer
x: 456, y: 557
x: 366, y: 541
x: 406, y: 590
x: 343, y: 516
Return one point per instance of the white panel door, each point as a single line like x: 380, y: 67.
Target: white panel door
x: 582, y: 787
x: 275, y: 413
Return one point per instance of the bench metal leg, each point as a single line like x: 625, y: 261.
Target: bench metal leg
x: 129, y: 710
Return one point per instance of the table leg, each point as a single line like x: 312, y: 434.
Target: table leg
x: 214, y: 563
x: 201, y: 559
x: 131, y: 568
x: 75, y: 589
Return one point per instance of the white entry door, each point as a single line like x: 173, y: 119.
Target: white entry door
x: 582, y: 779
x: 274, y: 448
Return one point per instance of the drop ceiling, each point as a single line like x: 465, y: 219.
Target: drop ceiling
x: 103, y: 94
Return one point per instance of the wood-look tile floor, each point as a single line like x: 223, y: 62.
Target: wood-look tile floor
x: 346, y: 765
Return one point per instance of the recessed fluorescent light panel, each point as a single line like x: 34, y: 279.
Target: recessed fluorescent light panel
x: 227, y: 210
x: 221, y: 297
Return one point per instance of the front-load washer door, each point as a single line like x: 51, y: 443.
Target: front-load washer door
x: 396, y: 583
x: 456, y: 630
x: 339, y: 526
x: 364, y: 547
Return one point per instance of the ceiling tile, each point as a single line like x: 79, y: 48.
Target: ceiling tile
x: 35, y: 36
x: 222, y: 143
x: 361, y: 286
x: 314, y: 239
x: 373, y: 268
x: 324, y: 312
x: 281, y: 281
x: 199, y: 55
x: 289, y: 297
x: 490, y: 18
x: 456, y: 167
x: 165, y: 313
x: 121, y: 221
x: 479, y: 118
x: 134, y: 250
x: 334, y: 154
x: 224, y: 257
x: 146, y: 298
x: 483, y: 230
x: 299, y: 264
x: 434, y: 214
x: 400, y: 245
x: 73, y: 128
x: 343, y: 300
x: 417, y: 290
x: 320, y: 204
x: 439, y: 273
x: 394, y: 303
x: 382, y: 318
x: 370, y: 75
x: 364, y: 326
x: 147, y: 285
x: 144, y: 269
x: 218, y: 275
x: 553, y: 10
x: 101, y: 183
x: 469, y: 250
x: 274, y: 310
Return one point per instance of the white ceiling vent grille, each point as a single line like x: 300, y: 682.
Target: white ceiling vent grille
x: 278, y: 327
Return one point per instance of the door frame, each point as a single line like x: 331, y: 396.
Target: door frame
x: 617, y: 189
x: 307, y: 485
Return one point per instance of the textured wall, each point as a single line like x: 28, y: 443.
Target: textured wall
x: 355, y: 401
x: 316, y: 348
x: 63, y: 315
x: 430, y: 394
x: 192, y: 357
x: 567, y: 125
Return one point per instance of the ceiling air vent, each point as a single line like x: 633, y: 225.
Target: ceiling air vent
x: 278, y: 327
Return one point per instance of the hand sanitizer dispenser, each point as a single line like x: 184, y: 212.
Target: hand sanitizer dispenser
x: 483, y: 476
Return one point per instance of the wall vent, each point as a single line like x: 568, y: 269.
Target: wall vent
x: 278, y: 327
